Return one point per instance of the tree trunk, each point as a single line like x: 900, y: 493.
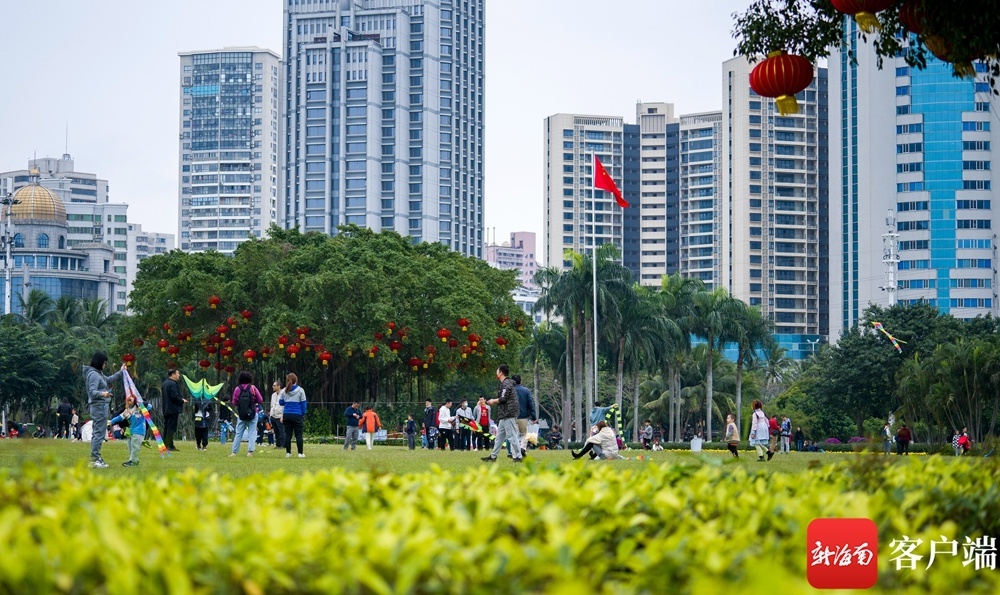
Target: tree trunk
x: 709, y: 364
x: 568, y: 387
x: 534, y: 384
x: 621, y: 372
x: 582, y: 426
x: 739, y: 394
x: 588, y: 351
x: 677, y: 402
x: 635, y: 407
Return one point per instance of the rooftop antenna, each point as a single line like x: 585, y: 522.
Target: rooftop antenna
x: 890, y: 257
x: 67, y: 137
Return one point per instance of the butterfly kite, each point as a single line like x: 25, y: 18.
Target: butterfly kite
x: 203, y: 391
x: 895, y: 342
x: 130, y: 389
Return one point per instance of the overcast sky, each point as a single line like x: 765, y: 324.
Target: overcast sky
x: 109, y: 68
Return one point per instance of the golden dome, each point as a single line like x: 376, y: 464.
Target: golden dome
x: 38, y: 202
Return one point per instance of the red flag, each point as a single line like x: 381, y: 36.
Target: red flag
x: 603, y: 181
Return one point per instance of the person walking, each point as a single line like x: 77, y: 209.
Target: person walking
x: 800, y: 437
x: 759, y: 430
x: 137, y: 429
x: 887, y: 439
x: 99, y: 399
x: 294, y: 402
x: 481, y: 413
x: 65, y: 413
x: 464, y: 432
x: 775, y: 431
x: 430, y: 413
x: 74, y: 425
x: 370, y: 423
x: 506, y: 412
x: 444, y: 423
x: 353, y: 415
x: 173, y: 406
x: 525, y: 409
x: 786, y: 433
x: 732, y: 436
x: 202, y: 421
x: 411, y: 432
x: 276, y: 411
x: 903, y: 437
x: 246, y: 397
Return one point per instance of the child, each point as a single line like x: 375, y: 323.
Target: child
x: 656, y: 445
x: 647, y: 435
x: 411, y: 432
x: 202, y: 421
x: 732, y: 436
x: 137, y: 429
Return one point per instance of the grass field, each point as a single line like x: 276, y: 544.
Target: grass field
x: 381, y: 459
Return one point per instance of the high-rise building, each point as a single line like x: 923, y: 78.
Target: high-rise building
x: 228, y: 147
x: 912, y: 171
x: 775, y: 208
x: 657, y: 209
x: 518, y: 255
x: 701, y: 198
x: 60, y: 176
x: 383, y: 118
x: 577, y: 217
x: 142, y: 244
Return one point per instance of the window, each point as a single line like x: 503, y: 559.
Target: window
x: 43, y: 240
x: 19, y: 240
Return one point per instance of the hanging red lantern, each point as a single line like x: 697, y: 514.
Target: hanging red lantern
x: 138, y: 342
x: 171, y: 364
x: 173, y: 350
x: 151, y: 331
x: 519, y: 324
x: 444, y: 334
x: 282, y: 341
x: 188, y: 309
x: 227, y: 352
x: 453, y: 342
x: 378, y: 336
x: 391, y: 326
x: 781, y: 76
x: 502, y: 342
x: 302, y: 331
x: 221, y: 329
x: 373, y: 351
x: 431, y: 351
x: 214, y: 301
x: 395, y: 346
x: 211, y: 349
x: 129, y: 359
x: 466, y: 350
x: 204, y: 364
x: 265, y: 351
x: 464, y: 323
x: 166, y: 327
x: 292, y: 350
x: 215, y: 339
x: 229, y: 343
x: 246, y: 315
x: 218, y: 365
x: 863, y: 11
x: 163, y: 344
x: 250, y: 354
x: 230, y: 369
x: 325, y: 357
x: 474, y: 339
x: 231, y: 321
x: 414, y: 363
x: 503, y: 320
x: 911, y: 16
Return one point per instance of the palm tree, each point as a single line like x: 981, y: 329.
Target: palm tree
x: 676, y: 293
x: 752, y: 331
x: 712, y: 322
x: 37, y: 309
x: 66, y: 312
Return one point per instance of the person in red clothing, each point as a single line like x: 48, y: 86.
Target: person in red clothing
x: 964, y: 442
x: 370, y: 423
x: 903, y: 437
x: 775, y: 431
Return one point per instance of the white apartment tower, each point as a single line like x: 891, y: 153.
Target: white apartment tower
x: 701, y: 198
x: 383, y: 118
x: 228, y: 147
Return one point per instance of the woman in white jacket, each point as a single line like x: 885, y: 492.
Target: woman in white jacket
x: 603, y: 444
x: 759, y: 431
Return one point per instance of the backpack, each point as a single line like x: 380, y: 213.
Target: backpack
x: 245, y: 407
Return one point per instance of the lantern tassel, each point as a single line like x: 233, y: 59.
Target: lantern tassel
x: 867, y: 22
x: 787, y: 105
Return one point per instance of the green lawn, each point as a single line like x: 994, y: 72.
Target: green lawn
x: 382, y: 459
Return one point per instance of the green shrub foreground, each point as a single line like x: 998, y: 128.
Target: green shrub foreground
x: 598, y: 527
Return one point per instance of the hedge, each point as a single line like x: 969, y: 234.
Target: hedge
x: 588, y: 527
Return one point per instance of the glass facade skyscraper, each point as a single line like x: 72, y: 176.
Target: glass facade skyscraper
x: 228, y: 147
x: 383, y: 118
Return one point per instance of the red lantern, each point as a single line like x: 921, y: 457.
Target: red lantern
x: 265, y: 351
x: 246, y: 315
x: 173, y: 350
x: 378, y: 336
x: 373, y: 351
x: 221, y: 329
x: 464, y: 323
x: 466, y: 350
x: 453, y: 342
x: 128, y: 358
x: 502, y: 342
x: 293, y: 350
x: 229, y: 343
x: 302, y: 331
x: 166, y: 327
x: 211, y: 349
x: 519, y: 324
x: 188, y: 309
x: 391, y: 326
x: 474, y: 339
x: 863, y: 11
x: 395, y: 346
x: 214, y: 301
x: 431, y: 351
x: 171, y: 364
x: 218, y: 365
x: 231, y: 321
x: 325, y: 357
x: 230, y: 369
x: 151, y: 331
x: 138, y: 342
x: 250, y: 354
x: 414, y: 363
x: 911, y: 16
x: 163, y: 344
x: 204, y: 364
x: 444, y: 334
x: 503, y: 320
x: 227, y: 352
x: 781, y: 76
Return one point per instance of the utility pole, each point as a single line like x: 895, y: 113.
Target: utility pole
x: 890, y: 257
x: 8, y: 243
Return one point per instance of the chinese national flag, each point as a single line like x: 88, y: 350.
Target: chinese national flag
x: 603, y: 181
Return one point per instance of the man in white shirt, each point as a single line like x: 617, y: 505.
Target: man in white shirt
x: 445, y: 431
x: 464, y: 432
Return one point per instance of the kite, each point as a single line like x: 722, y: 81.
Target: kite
x: 606, y: 413
x: 203, y: 391
x: 468, y: 422
x: 130, y: 389
x: 895, y: 342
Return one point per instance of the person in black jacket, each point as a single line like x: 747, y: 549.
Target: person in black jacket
x: 65, y: 412
x: 429, y: 422
x: 173, y: 406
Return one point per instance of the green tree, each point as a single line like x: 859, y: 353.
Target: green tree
x: 752, y: 331
x: 28, y: 367
x: 713, y: 321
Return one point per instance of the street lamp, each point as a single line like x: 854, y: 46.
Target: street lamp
x: 813, y: 344
x: 7, y: 241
